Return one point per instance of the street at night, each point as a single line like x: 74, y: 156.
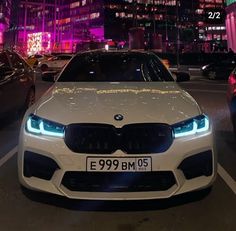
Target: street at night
x: 118, y: 115
x: 214, y: 211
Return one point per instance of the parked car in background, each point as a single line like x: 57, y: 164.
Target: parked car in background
x: 166, y: 62
x: 17, y: 83
x: 231, y: 97
x: 55, y: 63
x: 34, y: 60
x: 116, y: 126
x: 220, y: 69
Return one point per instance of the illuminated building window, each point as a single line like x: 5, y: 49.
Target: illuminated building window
x: 199, y: 11
x: 83, y: 2
x: 94, y: 15
x: 75, y: 4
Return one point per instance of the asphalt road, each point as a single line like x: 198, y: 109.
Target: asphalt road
x: 21, y: 210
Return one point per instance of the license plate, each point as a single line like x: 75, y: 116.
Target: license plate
x: 120, y: 164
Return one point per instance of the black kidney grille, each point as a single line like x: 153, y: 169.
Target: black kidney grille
x: 118, y: 181
x: 106, y: 139
x: 87, y: 138
x: 151, y: 138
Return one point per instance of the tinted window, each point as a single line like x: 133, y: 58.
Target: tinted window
x: 4, y: 60
x: 16, y: 61
x: 115, y: 67
x: 4, y: 66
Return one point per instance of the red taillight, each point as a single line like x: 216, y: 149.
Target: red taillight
x: 232, y: 79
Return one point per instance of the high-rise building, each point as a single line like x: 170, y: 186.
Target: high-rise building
x: 167, y: 18
x: 231, y: 24
x: 211, y: 24
x: 67, y: 24
x: 90, y: 20
x: 5, y: 13
x: 34, y: 33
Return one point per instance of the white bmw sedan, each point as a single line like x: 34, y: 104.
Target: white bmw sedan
x: 116, y: 126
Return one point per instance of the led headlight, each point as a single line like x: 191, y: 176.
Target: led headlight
x: 191, y: 127
x: 39, y: 126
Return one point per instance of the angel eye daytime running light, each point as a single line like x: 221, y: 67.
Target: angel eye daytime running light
x: 39, y: 126
x: 193, y: 126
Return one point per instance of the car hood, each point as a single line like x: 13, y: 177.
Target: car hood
x: 141, y: 102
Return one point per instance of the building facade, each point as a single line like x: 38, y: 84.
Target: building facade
x: 231, y: 24
x: 71, y: 25
x: 5, y: 13
x: 34, y: 33
x: 211, y: 26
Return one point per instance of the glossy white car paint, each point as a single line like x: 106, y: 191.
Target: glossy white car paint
x: 143, y: 102
x: 55, y: 63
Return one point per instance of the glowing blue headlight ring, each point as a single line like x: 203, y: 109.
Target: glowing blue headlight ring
x: 188, y: 133
x: 41, y: 129
x: 206, y: 127
x: 30, y: 128
x: 48, y: 133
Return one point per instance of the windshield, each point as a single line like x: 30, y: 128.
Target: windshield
x: 115, y: 67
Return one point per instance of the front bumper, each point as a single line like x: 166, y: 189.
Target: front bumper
x: 177, y: 170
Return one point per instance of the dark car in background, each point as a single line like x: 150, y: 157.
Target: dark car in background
x: 231, y: 97
x: 220, y: 69
x: 17, y: 83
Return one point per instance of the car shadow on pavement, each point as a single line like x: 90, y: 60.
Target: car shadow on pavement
x: 229, y: 138
x: 115, y: 206
x: 6, y: 121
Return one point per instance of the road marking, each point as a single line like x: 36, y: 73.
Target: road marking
x: 221, y: 171
x: 8, y: 156
x: 227, y: 178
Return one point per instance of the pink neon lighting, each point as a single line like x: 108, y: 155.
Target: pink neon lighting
x: 231, y: 30
x: 2, y: 29
x: 38, y: 43
x: 97, y: 33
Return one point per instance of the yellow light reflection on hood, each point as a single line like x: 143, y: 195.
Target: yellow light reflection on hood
x: 76, y: 90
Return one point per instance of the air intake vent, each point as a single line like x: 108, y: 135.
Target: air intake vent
x: 118, y: 182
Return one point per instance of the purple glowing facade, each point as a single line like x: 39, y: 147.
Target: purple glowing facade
x: 231, y: 25
x: 38, y: 43
x: 69, y: 23
x: 5, y: 12
x: 73, y: 24
x: 33, y: 22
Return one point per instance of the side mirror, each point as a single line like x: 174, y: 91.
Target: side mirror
x: 49, y: 76
x: 181, y: 76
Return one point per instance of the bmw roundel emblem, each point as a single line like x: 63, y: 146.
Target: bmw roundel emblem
x: 118, y: 117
